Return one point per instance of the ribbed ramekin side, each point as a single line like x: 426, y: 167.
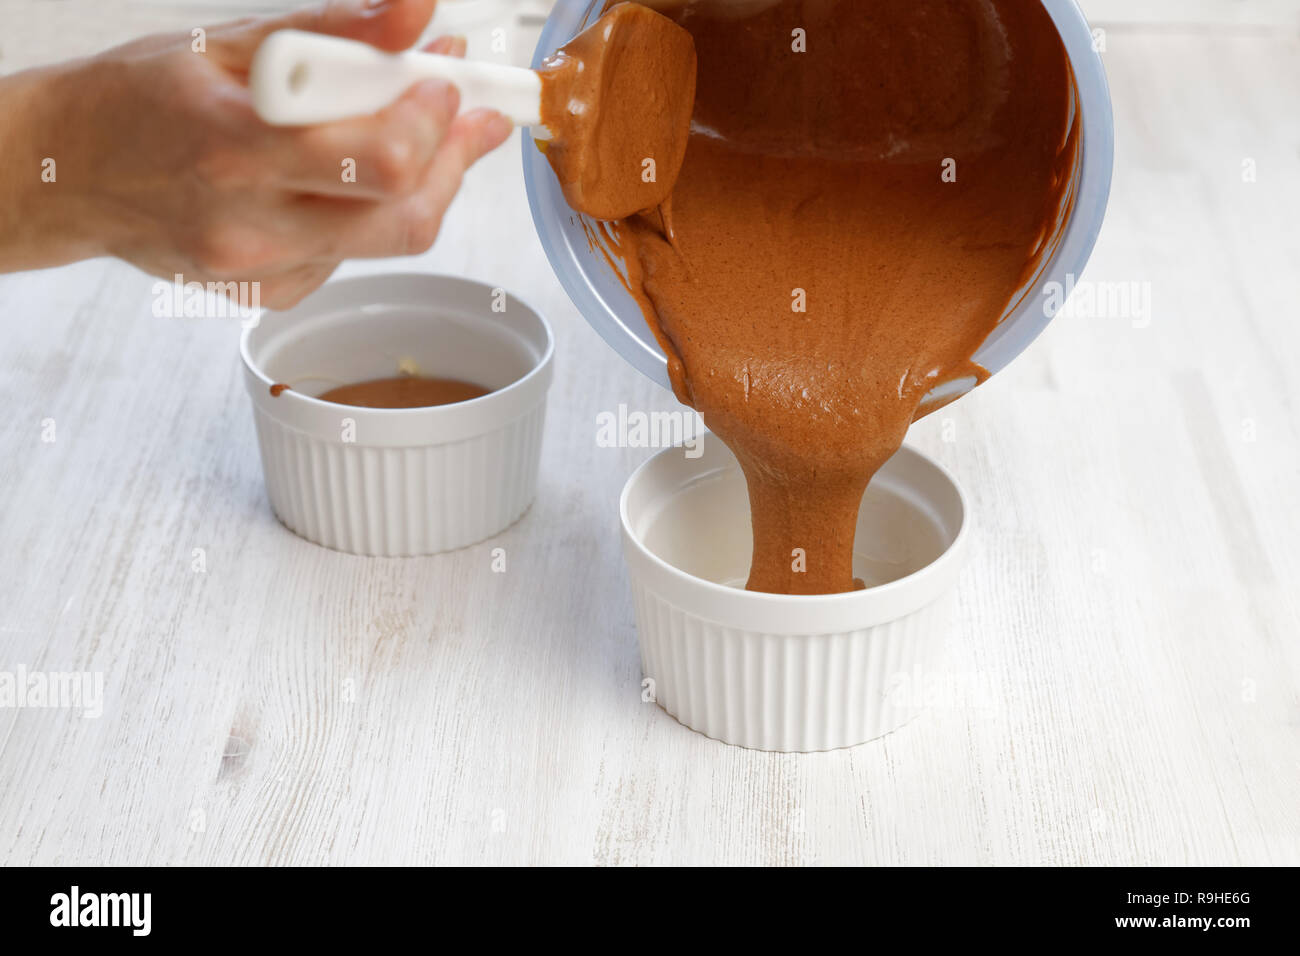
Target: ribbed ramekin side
x: 787, y: 692
x: 401, y: 501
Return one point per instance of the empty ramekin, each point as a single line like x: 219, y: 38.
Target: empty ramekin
x: 380, y: 481
x: 788, y: 672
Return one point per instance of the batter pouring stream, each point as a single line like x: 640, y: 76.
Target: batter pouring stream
x: 849, y: 225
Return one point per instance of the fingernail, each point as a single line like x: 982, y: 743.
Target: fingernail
x: 459, y: 44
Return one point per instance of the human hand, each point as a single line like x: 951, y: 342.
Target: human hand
x: 159, y: 159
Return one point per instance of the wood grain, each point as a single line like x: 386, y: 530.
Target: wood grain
x: 1121, y: 682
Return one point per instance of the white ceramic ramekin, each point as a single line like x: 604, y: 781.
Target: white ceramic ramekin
x: 782, y: 672
x: 393, y: 482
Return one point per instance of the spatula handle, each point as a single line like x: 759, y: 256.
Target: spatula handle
x: 299, y: 78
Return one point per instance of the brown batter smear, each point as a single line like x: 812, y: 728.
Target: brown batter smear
x: 617, y: 102
x: 817, y: 178
x: 404, y: 391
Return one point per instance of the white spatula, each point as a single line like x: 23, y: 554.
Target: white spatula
x: 299, y: 78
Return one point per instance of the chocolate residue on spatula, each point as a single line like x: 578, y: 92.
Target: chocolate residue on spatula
x: 617, y: 101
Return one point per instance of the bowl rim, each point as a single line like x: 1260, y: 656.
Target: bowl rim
x: 802, y: 615
x: 1095, y: 169
x: 317, y: 304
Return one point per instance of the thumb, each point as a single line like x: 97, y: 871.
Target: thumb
x: 388, y: 24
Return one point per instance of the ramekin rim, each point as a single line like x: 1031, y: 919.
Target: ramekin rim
x: 433, y: 412
x: 828, y: 602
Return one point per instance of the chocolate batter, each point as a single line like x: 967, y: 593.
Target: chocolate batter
x: 404, y: 391
x: 617, y: 101
x: 818, y: 273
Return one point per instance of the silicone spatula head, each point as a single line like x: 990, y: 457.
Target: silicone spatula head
x: 617, y: 100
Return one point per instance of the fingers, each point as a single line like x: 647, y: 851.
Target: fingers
x: 376, y: 186
x: 316, y: 230
x: 469, y: 139
x: 416, y: 221
x: 448, y: 46
x: 384, y: 156
x: 381, y: 157
x: 388, y: 24
x: 405, y: 226
x: 287, y: 289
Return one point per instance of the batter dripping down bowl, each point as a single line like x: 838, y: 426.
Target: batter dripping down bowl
x: 781, y: 672
x: 399, y: 481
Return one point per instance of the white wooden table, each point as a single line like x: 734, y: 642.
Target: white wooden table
x: 1121, y: 684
